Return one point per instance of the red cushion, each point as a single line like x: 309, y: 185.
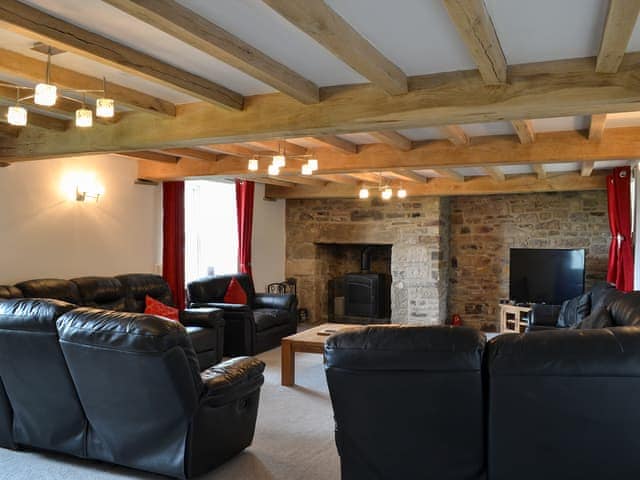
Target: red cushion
x: 235, y: 293
x: 156, y: 307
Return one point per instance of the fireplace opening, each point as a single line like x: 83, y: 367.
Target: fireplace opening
x: 362, y: 296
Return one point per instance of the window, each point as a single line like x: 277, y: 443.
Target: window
x: 211, y: 229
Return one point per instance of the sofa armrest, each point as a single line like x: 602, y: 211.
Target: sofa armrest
x: 202, y: 317
x: 280, y: 302
x: 232, y: 380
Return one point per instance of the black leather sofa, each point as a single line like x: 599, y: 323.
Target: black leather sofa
x: 252, y: 328
x: 119, y: 387
x: 436, y: 402
x: 126, y: 293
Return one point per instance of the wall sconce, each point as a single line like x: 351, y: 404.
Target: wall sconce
x: 87, y: 189
x: 84, y: 196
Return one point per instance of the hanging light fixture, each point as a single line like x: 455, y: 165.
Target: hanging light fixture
x: 313, y: 164
x: 279, y: 161
x: 402, y: 193
x: 84, y: 117
x: 273, y: 170
x: 387, y: 193
x: 253, y: 165
x: 306, y: 169
x: 363, y: 193
x: 105, y: 107
x: 46, y: 94
x: 17, y: 116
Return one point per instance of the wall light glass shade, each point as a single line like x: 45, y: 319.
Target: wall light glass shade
x: 402, y: 193
x: 84, y: 118
x: 17, y: 116
x: 273, y: 170
x: 45, y: 95
x: 279, y: 161
x: 105, y: 107
x: 253, y: 165
x: 306, y: 169
x: 313, y: 164
x: 364, y: 193
x: 387, y: 193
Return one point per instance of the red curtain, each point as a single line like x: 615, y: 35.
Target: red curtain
x: 244, y: 205
x: 620, y: 269
x: 173, y: 239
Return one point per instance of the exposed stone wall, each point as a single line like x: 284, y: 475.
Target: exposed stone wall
x: 483, y: 228
x: 417, y: 229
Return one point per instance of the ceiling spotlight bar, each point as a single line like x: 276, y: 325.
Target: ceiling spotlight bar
x: 385, y: 189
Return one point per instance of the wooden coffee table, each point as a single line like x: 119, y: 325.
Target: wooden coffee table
x: 308, y: 341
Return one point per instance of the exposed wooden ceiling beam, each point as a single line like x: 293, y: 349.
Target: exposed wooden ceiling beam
x: 33, y: 70
x: 271, y: 181
x: 231, y: 149
x: 195, y: 30
x: 524, y: 130
x: 586, y: 168
x: 333, y: 143
x: 476, y: 29
x: 4, y: 164
x: 621, y: 18
x: 596, y: 126
x: 318, y: 20
x: 192, y: 153
x: 38, y: 120
x: 59, y: 33
x: 455, y: 134
x: 303, y: 180
x: 539, y: 170
x: 276, y: 146
x: 372, y: 178
x: 550, y: 89
x: 482, y: 185
x: 449, y: 173
x: 393, y: 139
x: 495, y: 173
x: 152, y: 156
x: 339, y: 178
x: 408, y: 175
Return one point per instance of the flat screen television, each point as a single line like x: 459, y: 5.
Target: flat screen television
x: 545, y: 275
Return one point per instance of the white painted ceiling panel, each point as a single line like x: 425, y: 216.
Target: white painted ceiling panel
x: 540, y: 30
x: 112, y: 23
x: 627, y: 119
x: 418, y: 134
x: 516, y: 169
x: 428, y: 173
x: 470, y: 171
x: 416, y: 35
x: 489, y: 128
x: 562, y: 167
x: 634, y: 41
x: 608, y: 164
x: 257, y: 24
x: 359, y: 138
x: 559, y: 124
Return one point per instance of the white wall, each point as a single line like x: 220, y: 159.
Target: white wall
x: 268, y: 243
x: 45, y: 234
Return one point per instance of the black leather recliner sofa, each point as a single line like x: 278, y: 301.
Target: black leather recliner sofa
x: 126, y: 293
x: 252, y: 328
x: 435, y: 402
x: 119, y: 387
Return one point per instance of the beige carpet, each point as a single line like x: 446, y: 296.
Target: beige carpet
x: 294, y: 438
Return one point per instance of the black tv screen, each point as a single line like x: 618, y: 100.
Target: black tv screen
x: 545, y: 275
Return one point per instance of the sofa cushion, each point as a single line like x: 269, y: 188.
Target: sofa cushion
x: 138, y: 285
x: 573, y: 311
x: 101, y: 292
x: 235, y: 293
x: 213, y: 289
x: 599, y: 318
x: 625, y: 309
x: 9, y: 291
x: 154, y: 307
x: 266, y: 318
x: 54, y: 288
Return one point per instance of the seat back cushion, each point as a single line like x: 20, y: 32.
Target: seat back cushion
x: 55, y: 288
x: 625, y: 309
x: 213, y: 289
x: 138, y: 380
x: 138, y: 285
x: 9, y: 291
x: 408, y: 401
x: 46, y: 410
x: 562, y: 401
x: 101, y: 292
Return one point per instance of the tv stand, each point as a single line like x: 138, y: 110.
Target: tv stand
x: 513, y: 318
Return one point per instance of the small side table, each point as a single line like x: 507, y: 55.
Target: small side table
x: 513, y: 318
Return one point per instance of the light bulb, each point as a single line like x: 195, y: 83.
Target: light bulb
x: 253, y: 165
x: 273, y: 170
x: 84, y: 118
x: 313, y: 164
x: 306, y: 169
x: 45, y: 95
x: 402, y: 193
x: 105, y: 107
x: 17, y: 116
x: 364, y: 193
x: 387, y: 193
x: 279, y: 161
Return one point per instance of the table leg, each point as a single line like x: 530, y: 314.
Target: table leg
x: 288, y: 364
